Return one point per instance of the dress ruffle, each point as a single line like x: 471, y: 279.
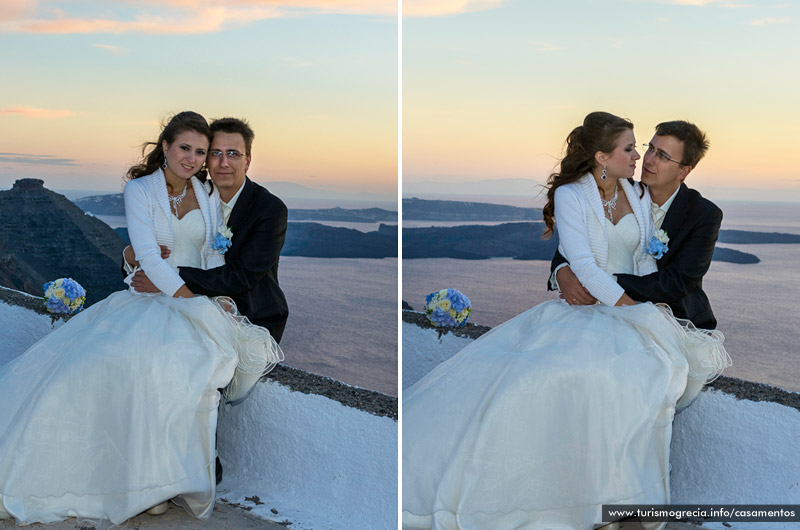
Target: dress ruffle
x: 257, y: 351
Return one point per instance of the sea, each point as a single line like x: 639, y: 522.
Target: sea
x: 343, y: 315
x: 757, y: 305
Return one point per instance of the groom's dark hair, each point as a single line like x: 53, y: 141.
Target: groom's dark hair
x: 233, y: 126
x: 694, y: 140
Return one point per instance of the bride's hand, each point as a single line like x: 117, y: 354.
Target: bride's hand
x: 625, y: 300
x: 571, y: 288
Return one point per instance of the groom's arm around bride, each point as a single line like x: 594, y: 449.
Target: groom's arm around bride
x: 250, y: 274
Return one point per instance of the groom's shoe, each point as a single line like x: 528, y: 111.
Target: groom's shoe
x: 159, y: 509
x: 219, y: 471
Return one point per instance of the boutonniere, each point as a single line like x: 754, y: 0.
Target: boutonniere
x: 222, y: 241
x: 659, y: 244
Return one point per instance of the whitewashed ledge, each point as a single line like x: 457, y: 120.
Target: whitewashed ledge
x: 736, y: 444
x: 303, y: 450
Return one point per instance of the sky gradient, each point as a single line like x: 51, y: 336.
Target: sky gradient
x: 489, y: 96
x: 87, y: 82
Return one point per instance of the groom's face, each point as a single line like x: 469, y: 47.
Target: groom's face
x: 661, y: 173
x: 228, y: 172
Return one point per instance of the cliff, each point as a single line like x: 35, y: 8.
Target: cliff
x: 44, y: 236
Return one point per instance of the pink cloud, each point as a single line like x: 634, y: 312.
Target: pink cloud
x: 188, y: 16
x: 33, y: 112
x: 434, y: 8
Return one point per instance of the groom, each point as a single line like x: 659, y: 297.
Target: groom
x: 257, y: 219
x: 690, y: 222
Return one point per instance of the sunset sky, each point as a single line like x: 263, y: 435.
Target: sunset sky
x: 490, y: 95
x: 86, y: 82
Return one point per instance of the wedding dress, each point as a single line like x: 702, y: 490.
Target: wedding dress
x: 548, y: 416
x: 116, y: 411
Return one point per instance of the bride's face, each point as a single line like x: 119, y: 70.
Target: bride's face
x: 186, y: 155
x: 621, y: 162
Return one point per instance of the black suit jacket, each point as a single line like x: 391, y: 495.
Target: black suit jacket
x: 250, y: 273
x: 692, y: 224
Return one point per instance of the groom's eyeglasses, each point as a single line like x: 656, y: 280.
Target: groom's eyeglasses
x: 230, y: 154
x: 649, y: 150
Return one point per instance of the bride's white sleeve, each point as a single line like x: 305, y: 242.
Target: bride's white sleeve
x: 142, y: 233
x: 575, y: 246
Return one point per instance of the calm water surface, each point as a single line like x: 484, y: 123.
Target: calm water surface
x: 756, y: 305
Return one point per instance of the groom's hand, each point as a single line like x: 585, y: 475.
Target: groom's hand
x: 571, y: 288
x: 142, y: 284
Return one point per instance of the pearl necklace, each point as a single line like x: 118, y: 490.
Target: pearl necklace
x: 177, y: 199
x: 611, y: 204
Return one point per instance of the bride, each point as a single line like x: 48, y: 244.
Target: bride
x: 115, y: 412
x: 561, y: 409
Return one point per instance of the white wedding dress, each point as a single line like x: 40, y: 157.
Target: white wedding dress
x: 549, y: 416
x: 116, y: 411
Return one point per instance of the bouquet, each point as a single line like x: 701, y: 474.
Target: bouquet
x: 447, y: 307
x: 64, y: 295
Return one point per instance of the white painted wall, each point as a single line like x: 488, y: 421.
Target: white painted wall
x: 320, y: 464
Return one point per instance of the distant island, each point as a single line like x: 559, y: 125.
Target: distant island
x: 743, y: 237
x: 520, y: 241
x: 109, y: 204
x: 315, y: 240
x: 363, y: 215
x: 113, y: 204
x: 427, y: 210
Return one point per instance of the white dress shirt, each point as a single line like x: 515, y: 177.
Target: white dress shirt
x: 660, y: 212
x: 227, y: 207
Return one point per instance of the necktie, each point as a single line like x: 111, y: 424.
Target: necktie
x: 658, y: 215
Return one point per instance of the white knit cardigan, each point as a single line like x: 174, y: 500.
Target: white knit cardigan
x: 582, y: 239
x: 147, y: 212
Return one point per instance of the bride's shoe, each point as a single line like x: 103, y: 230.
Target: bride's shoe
x: 159, y: 509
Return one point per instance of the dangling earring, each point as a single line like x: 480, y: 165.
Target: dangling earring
x: 602, y: 177
x: 164, y: 165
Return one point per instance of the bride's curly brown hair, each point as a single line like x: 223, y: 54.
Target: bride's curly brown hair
x: 599, y: 133
x: 181, y: 122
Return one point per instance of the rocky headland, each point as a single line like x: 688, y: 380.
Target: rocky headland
x: 44, y: 236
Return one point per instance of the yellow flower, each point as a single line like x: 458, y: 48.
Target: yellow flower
x: 444, y: 305
x: 59, y: 292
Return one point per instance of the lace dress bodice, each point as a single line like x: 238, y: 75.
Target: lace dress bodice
x: 622, y: 241
x: 189, y: 235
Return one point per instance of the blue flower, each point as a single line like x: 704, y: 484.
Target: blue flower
x: 54, y: 305
x: 656, y: 248
x: 222, y: 240
x: 72, y: 289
